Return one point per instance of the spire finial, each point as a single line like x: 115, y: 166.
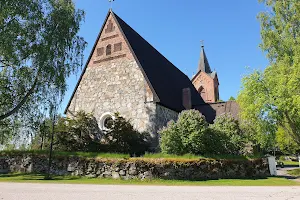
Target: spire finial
x: 202, y: 43
x: 111, y: 3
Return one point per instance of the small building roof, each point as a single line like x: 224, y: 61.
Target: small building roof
x: 213, y: 110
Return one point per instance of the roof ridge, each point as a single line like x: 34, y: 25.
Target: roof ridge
x: 164, y: 78
x: 167, y: 80
x: 148, y: 43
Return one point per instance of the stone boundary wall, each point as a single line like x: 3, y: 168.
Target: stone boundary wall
x: 137, y: 168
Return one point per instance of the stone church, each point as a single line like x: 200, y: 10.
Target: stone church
x: 125, y: 74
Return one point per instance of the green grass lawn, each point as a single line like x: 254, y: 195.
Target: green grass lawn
x: 35, y: 178
x: 191, y: 156
x: 294, y: 172
x: 291, y: 163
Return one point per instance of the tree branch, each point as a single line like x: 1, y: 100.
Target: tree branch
x: 294, y: 132
x: 8, y: 23
x: 22, y: 102
x: 4, y: 62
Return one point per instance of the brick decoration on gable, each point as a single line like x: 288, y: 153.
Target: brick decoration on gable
x: 110, y: 27
x: 108, y: 50
x: 109, y: 58
x: 110, y: 37
x: 100, y: 51
x: 118, y: 47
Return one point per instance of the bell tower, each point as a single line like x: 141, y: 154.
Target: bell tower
x: 206, y: 81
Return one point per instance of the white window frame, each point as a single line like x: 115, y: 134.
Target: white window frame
x: 103, y: 117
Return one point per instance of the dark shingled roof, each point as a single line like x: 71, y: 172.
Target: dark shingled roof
x: 166, y: 79
x: 212, y: 110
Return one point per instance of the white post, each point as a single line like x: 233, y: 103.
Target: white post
x: 272, y: 165
x: 299, y: 160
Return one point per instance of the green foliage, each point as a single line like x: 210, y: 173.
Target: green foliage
x: 80, y: 133
x: 42, y: 138
x: 230, y: 135
x: 40, y: 48
x: 186, y: 135
x: 81, y: 154
x: 171, y: 142
x: 285, y: 142
x: 192, y: 127
x: 280, y: 29
x: 6, y: 131
x: 192, y: 156
x: 231, y: 98
x: 121, y: 137
x: 192, y: 135
x: 271, y: 99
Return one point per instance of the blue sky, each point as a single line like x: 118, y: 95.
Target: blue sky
x: 230, y: 30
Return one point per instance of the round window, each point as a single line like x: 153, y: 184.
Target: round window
x: 106, y: 121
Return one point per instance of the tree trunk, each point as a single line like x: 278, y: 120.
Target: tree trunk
x: 22, y: 102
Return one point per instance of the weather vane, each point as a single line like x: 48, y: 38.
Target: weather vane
x: 111, y: 3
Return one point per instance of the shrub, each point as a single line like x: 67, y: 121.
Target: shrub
x: 171, y: 141
x: 189, y: 134
x: 192, y: 135
x: 229, y: 133
x: 80, y: 133
x: 121, y: 137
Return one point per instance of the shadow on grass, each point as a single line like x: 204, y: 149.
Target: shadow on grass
x: 215, y: 179
x: 289, y: 177
x: 29, y: 176
x: 295, y: 166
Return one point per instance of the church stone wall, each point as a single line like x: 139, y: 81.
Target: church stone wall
x: 111, y: 88
x: 113, y: 82
x: 159, y: 116
x: 114, y: 87
x: 163, y: 116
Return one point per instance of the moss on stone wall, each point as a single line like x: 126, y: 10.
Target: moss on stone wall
x: 136, y: 168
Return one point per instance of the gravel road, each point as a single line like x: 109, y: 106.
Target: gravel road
x: 30, y: 191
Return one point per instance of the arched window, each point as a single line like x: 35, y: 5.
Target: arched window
x: 202, y: 92
x: 108, y: 50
